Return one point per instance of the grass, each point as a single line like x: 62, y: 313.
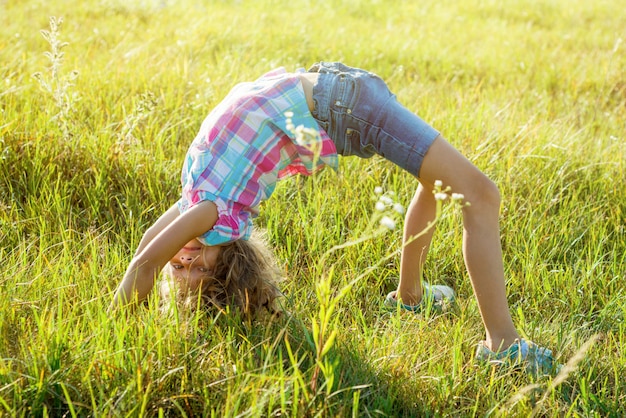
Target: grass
x: 91, y: 149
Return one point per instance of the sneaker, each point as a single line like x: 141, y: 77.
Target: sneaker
x: 523, y: 353
x: 438, y: 297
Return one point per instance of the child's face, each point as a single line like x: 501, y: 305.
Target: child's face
x: 193, y: 263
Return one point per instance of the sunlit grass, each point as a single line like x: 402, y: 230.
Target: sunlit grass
x: 534, y: 95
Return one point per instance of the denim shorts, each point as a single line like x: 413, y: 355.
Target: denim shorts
x: 363, y: 117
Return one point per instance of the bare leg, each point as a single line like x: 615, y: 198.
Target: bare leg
x: 481, y: 239
x: 417, y: 238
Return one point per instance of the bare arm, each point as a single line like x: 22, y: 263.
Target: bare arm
x: 164, y: 220
x: 160, y: 243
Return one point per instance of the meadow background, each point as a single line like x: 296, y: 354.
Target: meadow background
x: 95, y: 118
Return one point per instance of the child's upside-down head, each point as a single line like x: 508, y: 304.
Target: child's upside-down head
x: 242, y: 274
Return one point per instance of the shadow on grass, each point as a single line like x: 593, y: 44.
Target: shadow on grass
x: 353, y: 387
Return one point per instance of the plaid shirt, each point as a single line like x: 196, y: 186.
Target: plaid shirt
x: 245, y: 146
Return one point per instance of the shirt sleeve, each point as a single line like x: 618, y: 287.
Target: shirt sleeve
x: 233, y: 222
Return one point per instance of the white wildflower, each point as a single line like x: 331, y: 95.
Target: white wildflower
x: 380, y: 206
x: 306, y: 137
x: 399, y: 208
x: 387, y: 222
x: 378, y: 190
x: 386, y: 200
x: 441, y: 196
x: 289, y: 114
x: 457, y: 197
x: 438, y: 183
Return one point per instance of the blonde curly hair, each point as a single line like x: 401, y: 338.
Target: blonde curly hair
x: 245, y: 277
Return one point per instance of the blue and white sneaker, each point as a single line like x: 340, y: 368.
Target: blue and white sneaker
x: 435, y: 297
x: 524, y: 354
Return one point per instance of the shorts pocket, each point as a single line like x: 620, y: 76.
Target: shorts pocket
x: 354, y: 145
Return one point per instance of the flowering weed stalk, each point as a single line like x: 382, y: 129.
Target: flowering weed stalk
x: 56, y: 84
x: 145, y: 106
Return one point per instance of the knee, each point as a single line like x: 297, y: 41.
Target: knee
x: 485, y: 194
x: 492, y: 192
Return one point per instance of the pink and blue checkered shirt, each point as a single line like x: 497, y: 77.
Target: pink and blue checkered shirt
x: 244, y: 147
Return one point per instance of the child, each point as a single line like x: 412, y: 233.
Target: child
x: 247, y: 143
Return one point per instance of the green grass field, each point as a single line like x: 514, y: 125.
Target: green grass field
x: 95, y: 119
